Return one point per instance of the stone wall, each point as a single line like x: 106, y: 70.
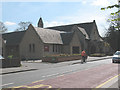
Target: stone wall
x: 6, y: 63
x: 61, y: 58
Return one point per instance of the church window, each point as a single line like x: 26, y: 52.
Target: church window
x: 33, y: 47
x: 59, y: 48
x: 29, y: 47
x: 53, y: 48
x: 56, y: 48
x: 46, y: 48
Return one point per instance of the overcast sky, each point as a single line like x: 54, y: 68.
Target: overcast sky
x: 56, y: 12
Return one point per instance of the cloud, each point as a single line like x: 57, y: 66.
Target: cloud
x: 53, y: 23
x: 9, y: 23
x: 103, y: 3
x: 43, y: 0
x: 84, y: 1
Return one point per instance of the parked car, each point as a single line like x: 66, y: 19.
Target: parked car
x: 116, y: 57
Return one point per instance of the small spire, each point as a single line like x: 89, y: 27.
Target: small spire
x: 40, y: 23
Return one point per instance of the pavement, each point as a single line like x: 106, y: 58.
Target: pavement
x: 38, y: 64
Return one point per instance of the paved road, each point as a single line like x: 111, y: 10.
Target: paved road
x: 74, y: 76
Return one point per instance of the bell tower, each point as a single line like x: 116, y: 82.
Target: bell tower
x: 40, y: 23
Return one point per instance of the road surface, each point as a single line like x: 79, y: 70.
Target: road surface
x: 96, y: 74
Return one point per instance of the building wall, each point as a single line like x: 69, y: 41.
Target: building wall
x: 87, y: 46
x: 66, y: 49
x: 82, y: 40
x: 8, y: 50
x: 96, y: 42
x: 3, y: 49
x: 84, y: 43
x: 75, y: 42
x: 95, y: 34
x: 48, y: 49
x: 12, y: 50
x: 31, y: 39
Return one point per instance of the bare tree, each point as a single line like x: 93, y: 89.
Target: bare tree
x: 23, y: 26
x: 115, y: 14
x: 2, y: 27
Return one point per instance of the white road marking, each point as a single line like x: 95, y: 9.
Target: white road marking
x: 68, y: 71
x: 58, y: 74
x: 6, y: 84
x: 43, y: 76
x: 51, y: 75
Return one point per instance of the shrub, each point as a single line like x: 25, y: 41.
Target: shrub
x: 10, y: 56
x: 63, y: 55
x: 97, y: 55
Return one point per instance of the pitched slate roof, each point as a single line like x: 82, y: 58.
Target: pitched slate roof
x: 66, y: 37
x: 87, y: 26
x: 13, y: 38
x: 49, y: 36
x: 84, y: 32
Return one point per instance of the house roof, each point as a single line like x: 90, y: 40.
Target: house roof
x: 67, y: 37
x: 49, y: 36
x: 13, y: 38
x: 87, y: 26
x: 84, y: 32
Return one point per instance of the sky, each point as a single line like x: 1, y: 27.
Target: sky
x: 55, y: 12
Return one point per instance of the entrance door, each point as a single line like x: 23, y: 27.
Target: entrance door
x: 75, y: 50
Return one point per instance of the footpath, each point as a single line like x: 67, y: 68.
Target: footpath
x: 38, y: 64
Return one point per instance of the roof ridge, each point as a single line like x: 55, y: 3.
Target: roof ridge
x: 47, y: 29
x: 71, y: 24
x: 13, y: 32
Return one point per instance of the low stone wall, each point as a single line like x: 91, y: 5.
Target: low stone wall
x: 5, y: 63
x: 61, y: 58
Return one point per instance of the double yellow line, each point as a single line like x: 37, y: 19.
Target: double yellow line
x: 42, y: 85
x: 35, y: 86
